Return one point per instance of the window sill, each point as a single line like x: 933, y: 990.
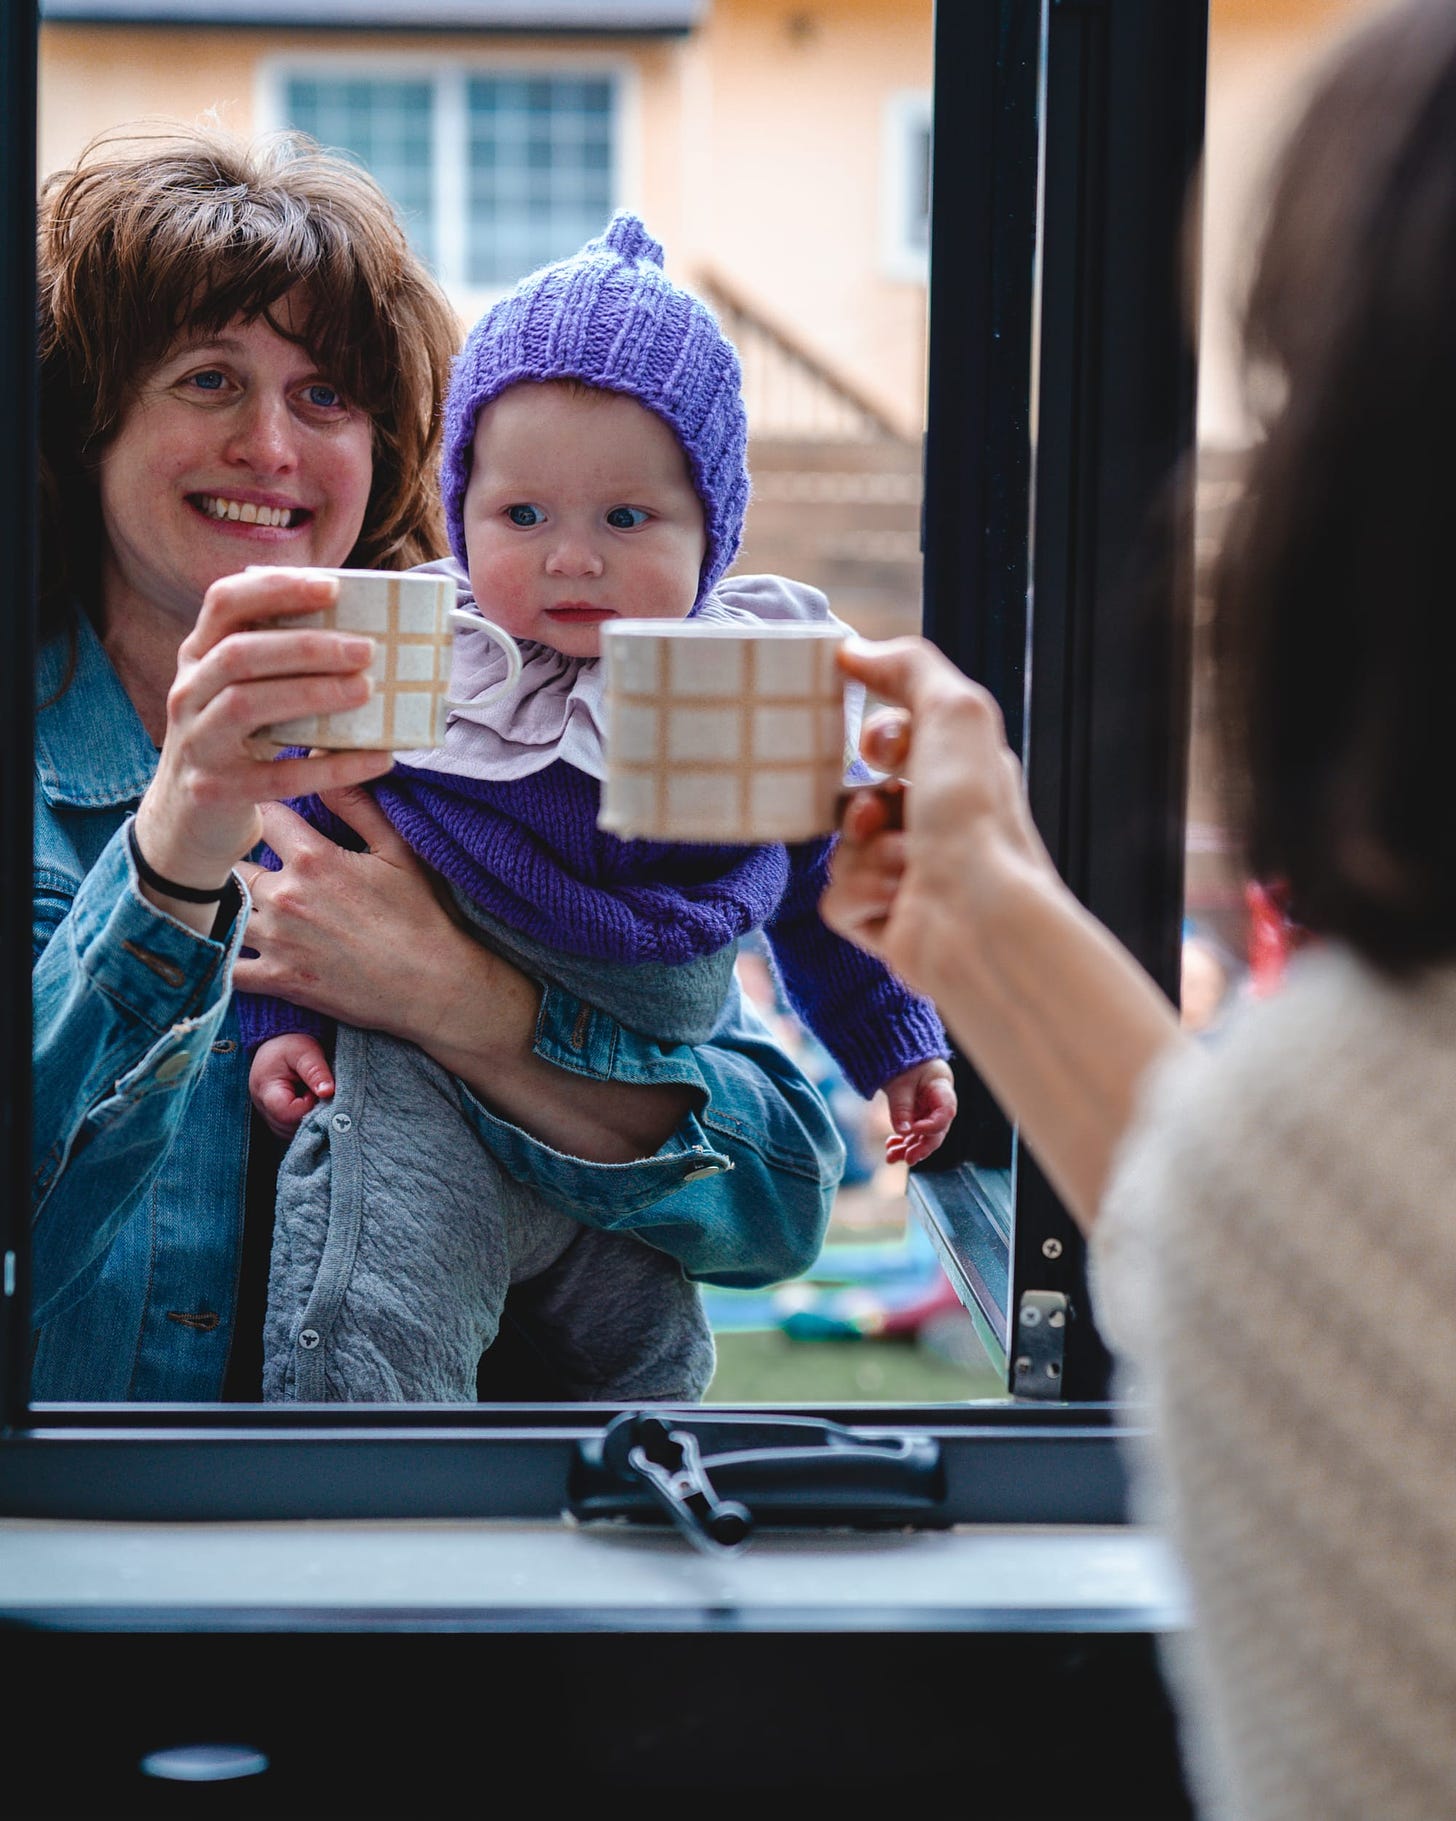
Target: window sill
x: 550, y: 1576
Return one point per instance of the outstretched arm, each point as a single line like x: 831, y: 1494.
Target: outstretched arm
x: 964, y: 904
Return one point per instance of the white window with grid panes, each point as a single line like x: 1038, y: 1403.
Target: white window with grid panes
x: 495, y: 170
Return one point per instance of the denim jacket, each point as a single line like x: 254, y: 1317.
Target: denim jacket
x: 141, y: 1106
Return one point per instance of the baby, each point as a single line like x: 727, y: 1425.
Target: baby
x: 595, y: 469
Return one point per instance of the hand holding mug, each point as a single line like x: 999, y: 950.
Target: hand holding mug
x: 256, y: 654
x: 408, y: 617
x: 915, y: 877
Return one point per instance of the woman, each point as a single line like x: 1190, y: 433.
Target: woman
x: 242, y: 365
x: 1272, y: 1213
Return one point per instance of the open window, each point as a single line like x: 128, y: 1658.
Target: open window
x: 1056, y: 567
x: 1062, y: 399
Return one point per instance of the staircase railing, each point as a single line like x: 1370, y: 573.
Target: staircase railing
x: 791, y: 389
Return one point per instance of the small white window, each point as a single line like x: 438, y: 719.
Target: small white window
x: 906, y: 210
x: 389, y: 126
x: 495, y: 172
x: 540, y: 170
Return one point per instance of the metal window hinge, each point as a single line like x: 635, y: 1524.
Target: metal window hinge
x: 1039, y: 1345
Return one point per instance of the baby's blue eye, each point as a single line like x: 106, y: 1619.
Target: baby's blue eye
x: 525, y: 516
x: 626, y: 518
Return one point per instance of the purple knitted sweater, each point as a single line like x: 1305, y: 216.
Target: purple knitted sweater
x: 529, y: 853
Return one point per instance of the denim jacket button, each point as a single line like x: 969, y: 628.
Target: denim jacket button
x: 341, y: 1122
x: 170, y: 1067
x: 308, y: 1339
x: 703, y: 1169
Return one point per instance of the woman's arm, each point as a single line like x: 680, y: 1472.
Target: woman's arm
x: 721, y: 1153
x: 965, y: 905
x: 363, y: 937
x: 130, y: 987
x: 127, y: 1005
x: 739, y: 1193
x: 604, y: 1120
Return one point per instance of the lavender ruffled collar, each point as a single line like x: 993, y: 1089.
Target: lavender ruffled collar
x: 556, y: 710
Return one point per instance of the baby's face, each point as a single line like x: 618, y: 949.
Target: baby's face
x: 580, y: 509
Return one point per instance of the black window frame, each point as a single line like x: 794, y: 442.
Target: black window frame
x: 1083, y: 631
x: 1067, y: 138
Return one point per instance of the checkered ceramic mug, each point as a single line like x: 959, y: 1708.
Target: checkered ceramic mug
x: 410, y: 617
x: 722, y: 732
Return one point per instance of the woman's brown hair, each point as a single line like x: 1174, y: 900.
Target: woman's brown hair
x: 160, y: 230
x: 1335, y: 594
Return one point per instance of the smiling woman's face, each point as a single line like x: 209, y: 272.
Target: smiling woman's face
x: 235, y: 449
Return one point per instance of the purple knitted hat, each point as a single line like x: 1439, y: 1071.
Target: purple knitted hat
x: 608, y: 316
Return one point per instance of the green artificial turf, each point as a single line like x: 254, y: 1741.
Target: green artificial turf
x: 764, y: 1366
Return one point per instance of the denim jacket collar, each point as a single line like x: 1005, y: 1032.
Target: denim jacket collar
x: 91, y: 750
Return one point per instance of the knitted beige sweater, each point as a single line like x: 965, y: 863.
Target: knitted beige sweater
x: 1276, y: 1265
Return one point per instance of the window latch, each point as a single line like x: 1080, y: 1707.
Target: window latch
x: 718, y: 1478
x: 670, y: 1463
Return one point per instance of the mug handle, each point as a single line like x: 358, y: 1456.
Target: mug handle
x: 463, y: 617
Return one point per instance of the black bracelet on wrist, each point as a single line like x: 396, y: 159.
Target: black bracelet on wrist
x: 185, y: 894
x: 231, y: 904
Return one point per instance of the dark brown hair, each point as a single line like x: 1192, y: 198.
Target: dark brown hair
x: 1335, y: 594
x: 157, y: 230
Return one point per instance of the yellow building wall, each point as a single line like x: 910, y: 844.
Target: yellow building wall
x: 787, y: 146
x: 756, y: 148
x: 93, y: 78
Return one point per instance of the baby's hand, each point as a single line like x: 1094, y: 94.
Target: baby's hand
x: 289, y: 1077
x: 922, y: 1104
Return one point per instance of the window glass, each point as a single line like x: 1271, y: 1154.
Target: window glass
x: 389, y: 127
x: 833, y: 375
x: 539, y: 154
x: 783, y: 158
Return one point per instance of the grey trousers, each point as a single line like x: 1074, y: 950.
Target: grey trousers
x: 397, y: 1236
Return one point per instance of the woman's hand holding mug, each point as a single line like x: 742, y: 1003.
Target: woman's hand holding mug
x: 241, y: 668
x: 917, y: 895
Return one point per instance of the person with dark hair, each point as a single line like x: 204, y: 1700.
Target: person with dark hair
x: 242, y: 367
x: 1271, y: 1215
